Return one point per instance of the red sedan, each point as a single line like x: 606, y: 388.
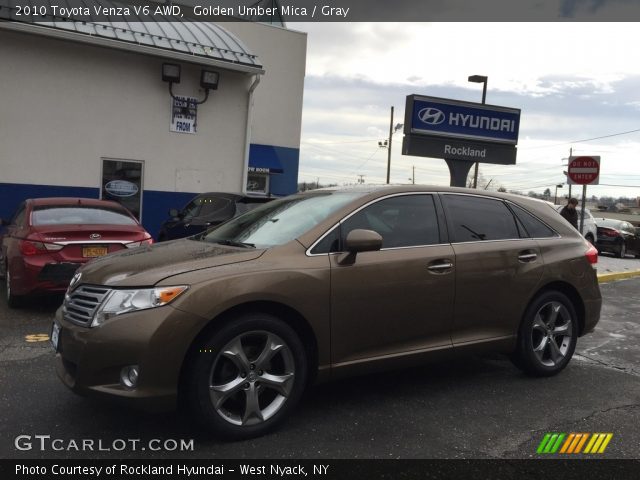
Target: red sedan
x: 49, y: 238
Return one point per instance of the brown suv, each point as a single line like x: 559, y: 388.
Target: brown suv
x: 314, y: 286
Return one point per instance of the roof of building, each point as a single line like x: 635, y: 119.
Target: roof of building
x: 202, y: 43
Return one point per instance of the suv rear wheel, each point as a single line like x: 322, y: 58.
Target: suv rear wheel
x: 548, y: 335
x: 247, y: 377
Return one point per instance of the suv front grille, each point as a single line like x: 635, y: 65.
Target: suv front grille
x: 80, y: 306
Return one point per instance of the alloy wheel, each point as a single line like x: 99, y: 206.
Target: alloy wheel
x: 623, y: 250
x: 552, y: 333
x: 251, y: 378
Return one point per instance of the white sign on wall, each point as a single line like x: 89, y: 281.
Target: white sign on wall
x: 184, y: 114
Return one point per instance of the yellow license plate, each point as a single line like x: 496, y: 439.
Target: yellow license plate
x: 92, y: 252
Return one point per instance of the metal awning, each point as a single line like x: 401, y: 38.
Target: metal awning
x: 202, y: 43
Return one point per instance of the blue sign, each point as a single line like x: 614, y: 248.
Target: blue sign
x: 443, y: 117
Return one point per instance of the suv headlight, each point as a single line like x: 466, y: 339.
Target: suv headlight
x: 125, y: 301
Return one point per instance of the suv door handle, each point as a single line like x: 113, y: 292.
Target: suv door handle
x: 527, y: 256
x: 441, y: 266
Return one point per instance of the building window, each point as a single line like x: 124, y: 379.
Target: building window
x: 258, y: 183
x: 122, y: 182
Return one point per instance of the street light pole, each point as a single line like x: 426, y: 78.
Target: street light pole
x: 389, y: 147
x: 555, y: 200
x: 479, y: 79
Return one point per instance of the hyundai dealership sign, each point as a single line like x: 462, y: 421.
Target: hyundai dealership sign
x: 460, y: 131
x: 471, y: 121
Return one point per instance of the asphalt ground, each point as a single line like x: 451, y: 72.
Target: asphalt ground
x: 477, y: 407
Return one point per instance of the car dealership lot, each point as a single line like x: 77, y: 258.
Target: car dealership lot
x: 470, y: 408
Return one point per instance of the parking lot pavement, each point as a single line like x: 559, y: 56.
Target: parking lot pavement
x: 480, y: 407
x: 611, y: 269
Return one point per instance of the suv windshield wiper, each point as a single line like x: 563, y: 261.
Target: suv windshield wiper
x: 233, y: 243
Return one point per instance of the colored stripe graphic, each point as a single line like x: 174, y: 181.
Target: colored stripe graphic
x: 598, y: 443
x: 574, y: 443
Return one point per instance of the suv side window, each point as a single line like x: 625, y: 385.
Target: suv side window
x: 329, y: 244
x: 402, y: 221
x: 192, y: 209
x: 478, y: 218
x: 534, y: 228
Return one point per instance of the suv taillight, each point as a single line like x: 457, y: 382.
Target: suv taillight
x: 592, y: 254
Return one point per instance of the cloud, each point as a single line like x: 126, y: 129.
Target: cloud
x: 571, y: 81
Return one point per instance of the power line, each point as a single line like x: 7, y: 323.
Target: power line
x: 340, y: 143
x: 612, y: 185
x: 582, y: 141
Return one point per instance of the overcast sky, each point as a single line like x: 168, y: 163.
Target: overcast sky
x: 572, y: 81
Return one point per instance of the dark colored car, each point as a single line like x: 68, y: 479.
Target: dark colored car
x: 315, y: 286
x: 618, y: 237
x: 205, y: 211
x: 47, y: 239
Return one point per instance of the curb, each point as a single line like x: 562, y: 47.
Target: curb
x: 611, y: 277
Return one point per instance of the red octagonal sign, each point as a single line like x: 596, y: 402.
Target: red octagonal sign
x: 583, y: 170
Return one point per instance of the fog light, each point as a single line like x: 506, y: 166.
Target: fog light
x: 129, y: 376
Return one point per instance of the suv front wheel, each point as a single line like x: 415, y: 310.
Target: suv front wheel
x: 247, y: 377
x: 548, y: 335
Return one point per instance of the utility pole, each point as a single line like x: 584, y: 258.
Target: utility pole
x: 361, y: 179
x: 484, y: 98
x: 570, y: 155
x: 389, y: 147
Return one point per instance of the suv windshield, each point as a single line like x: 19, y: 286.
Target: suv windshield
x: 280, y: 221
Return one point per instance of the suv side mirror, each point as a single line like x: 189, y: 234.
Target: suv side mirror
x: 359, y: 241
x: 173, y: 213
x: 363, y: 241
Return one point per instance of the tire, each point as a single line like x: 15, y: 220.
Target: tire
x: 621, y: 252
x: 13, y: 301
x: 590, y: 239
x: 261, y: 362
x: 546, y: 341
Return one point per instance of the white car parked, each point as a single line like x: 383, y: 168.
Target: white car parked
x: 589, y: 229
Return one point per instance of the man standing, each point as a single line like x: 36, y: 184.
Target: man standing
x: 570, y: 213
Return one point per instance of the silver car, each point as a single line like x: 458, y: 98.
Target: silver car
x: 589, y: 229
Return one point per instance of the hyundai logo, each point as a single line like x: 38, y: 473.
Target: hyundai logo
x: 95, y: 236
x: 431, y: 116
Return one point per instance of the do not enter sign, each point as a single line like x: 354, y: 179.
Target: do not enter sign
x: 583, y: 170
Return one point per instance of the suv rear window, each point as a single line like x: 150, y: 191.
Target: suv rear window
x: 534, y: 228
